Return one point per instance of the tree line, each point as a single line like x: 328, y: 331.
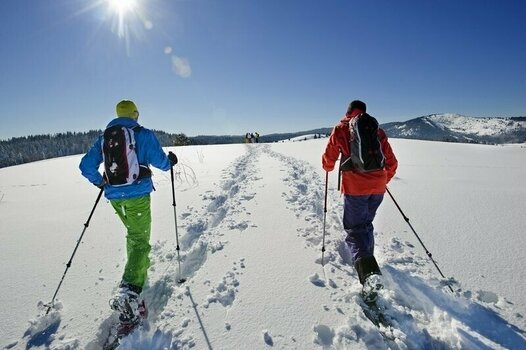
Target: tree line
x: 20, y: 150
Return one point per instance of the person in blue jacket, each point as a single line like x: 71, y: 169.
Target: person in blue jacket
x: 131, y: 203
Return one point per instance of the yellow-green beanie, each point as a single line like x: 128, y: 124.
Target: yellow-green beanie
x: 127, y: 109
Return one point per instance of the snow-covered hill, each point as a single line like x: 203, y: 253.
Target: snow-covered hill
x: 455, y: 127
x: 250, y: 223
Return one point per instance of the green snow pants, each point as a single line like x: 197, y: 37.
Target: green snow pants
x: 135, y: 214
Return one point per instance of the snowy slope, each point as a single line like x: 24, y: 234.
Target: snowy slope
x: 451, y: 126
x: 250, y: 224
x: 476, y: 126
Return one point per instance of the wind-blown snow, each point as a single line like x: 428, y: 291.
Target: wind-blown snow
x: 250, y: 224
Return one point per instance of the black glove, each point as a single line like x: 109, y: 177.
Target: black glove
x: 101, y: 184
x: 172, y: 157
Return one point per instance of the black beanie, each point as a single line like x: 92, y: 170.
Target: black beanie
x: 357, y: 104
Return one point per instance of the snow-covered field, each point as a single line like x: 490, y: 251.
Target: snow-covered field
x: 250, y: 224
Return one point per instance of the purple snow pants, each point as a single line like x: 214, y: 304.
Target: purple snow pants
x: 358, y: 215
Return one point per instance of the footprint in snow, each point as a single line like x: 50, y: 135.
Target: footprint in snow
x: 267, y: 338
x: 185, y: 215
x: 316, y: 280
x: 225, y: 292
x: 324, y: 335
x: 487, y: 297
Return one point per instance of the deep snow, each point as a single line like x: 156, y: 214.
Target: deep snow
x: 250, y: 224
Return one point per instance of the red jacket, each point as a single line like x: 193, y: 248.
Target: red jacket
x: 355, y: 183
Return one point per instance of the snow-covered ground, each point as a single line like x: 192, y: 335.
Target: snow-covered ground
x: 250, y: 224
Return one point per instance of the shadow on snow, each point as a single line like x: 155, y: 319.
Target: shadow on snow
x: 419, y: 295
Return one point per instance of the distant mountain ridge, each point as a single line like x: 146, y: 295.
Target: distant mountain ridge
x: 447, y: 127
x: 458, y: 128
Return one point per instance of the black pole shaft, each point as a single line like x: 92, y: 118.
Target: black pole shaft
x: 324, y: 217
x: 177, y: 248
x: 419, y: 240
x: 68, y: 265
x: 340, y: 170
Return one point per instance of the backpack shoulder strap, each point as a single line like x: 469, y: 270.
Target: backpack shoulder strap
x: 144, y: 170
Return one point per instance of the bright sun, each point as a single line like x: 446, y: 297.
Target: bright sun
x: 122, y: 6
x: 125, y: 15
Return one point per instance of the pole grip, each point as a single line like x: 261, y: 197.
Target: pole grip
x: 326, y: 188
x: 173, y: 186
x: 324, y: 217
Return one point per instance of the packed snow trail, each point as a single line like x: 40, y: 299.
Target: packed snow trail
x: 258, y: 283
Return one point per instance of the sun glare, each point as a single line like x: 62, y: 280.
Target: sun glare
x: 121, y: 7
x: 126, y: 16
x: 127, y: 19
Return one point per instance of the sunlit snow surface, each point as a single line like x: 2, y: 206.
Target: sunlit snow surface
x: 250, y: 225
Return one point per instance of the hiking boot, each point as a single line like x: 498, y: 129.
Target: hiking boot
x: 372, y: 285
x: 365, y: 267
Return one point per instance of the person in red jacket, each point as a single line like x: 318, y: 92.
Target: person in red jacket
x: 363, y: 193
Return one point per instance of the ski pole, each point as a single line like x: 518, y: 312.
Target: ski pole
x: 339, y: 178
x: 340, y: 156
x: 324, y: 217
x: 422, y: 243
x: 51, y: 304
x: 181, y: 279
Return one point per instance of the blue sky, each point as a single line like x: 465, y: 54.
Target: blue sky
x: 233, y: 66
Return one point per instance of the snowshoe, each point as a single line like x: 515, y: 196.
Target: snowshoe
x: 132, y: 312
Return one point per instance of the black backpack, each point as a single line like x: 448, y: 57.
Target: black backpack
x: 119, y: 152
x: 364, y: 146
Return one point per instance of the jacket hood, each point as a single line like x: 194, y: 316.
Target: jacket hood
x: 127, y: 122
x: 346, y: 118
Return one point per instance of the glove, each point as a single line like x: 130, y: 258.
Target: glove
x: 101, y: 184
x: 172, y: 157
x: 327, y: 168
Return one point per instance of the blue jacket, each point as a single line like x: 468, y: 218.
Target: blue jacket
x: 149, y: 152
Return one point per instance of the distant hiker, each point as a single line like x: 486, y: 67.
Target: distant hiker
x: 363, y: 186
x: 252, y: 138
x: 127, y: 149
x: 256, y: 134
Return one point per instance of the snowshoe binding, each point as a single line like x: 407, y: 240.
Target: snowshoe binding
x: 132, y: 312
